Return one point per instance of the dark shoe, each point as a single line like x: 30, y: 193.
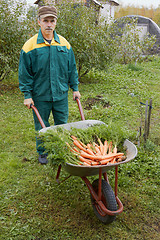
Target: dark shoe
x: 43, y: 159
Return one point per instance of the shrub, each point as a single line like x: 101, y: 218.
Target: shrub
x: 131, y: 47
x: 14, y: 32
x: 92, y: 43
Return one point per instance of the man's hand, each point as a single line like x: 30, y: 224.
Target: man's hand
x: 76, y: 94
x: 28, y: 102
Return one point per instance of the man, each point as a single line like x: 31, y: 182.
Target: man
x: 47, y: 69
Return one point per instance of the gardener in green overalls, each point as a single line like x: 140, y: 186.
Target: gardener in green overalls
x: 47, y: 69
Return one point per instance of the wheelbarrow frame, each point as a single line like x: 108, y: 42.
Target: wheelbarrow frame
x: 101, y: 171
x: 98, y: 197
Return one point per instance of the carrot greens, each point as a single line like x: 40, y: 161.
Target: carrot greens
x: 57, y: 141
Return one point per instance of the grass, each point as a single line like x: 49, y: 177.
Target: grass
x: 34, y: 206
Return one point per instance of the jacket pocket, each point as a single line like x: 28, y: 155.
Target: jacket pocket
x: 62, y: 61
x: 41, y: 61
x: 62, y: 49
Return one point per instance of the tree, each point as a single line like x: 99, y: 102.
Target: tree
x: 14, y: 31
x: 92, y: 43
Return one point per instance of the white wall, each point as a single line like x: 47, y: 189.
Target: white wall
x: 107, y: 12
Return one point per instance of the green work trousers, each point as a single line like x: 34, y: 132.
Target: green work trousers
x: 59, y: 110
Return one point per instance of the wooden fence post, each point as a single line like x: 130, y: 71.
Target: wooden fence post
x: 145, y: 124
x: 147, y: 119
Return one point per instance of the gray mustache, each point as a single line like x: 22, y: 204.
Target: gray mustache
x: 49, y: 28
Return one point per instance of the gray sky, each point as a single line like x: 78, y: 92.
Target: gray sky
x: 145, y: 3
x: 139, y: 3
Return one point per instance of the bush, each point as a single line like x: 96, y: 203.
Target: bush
x: 14, y: 32
x: 92, y: 43
x: 131, y: 47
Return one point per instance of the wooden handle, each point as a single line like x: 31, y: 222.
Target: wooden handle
x: 38, y: 115
x: 80, y: 108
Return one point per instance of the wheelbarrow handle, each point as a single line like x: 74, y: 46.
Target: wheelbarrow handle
x: 80, y: 108
x: 41, y: 121
x: 38, y: 115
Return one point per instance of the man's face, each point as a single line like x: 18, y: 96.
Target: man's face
x: 47, y: 25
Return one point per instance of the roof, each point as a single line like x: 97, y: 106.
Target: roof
x: 40, y: 3
x: 111, y: 2
x: 114, y: 3
x: 97, y: 3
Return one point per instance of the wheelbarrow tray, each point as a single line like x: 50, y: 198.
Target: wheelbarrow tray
x: 80, y: 170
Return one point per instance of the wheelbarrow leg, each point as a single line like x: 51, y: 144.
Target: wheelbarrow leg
x: 58, y: 174
x: 116, y: 181
x: 106, y: 177
x: 100, y: 184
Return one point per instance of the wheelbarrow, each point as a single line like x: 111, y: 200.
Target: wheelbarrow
x: 106, y: 204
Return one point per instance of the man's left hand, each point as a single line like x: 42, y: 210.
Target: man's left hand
x: 76, y: 94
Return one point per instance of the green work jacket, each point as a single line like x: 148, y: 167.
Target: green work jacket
x: 46, y: 71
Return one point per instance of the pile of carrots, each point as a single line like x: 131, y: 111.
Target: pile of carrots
x: 94, y: 154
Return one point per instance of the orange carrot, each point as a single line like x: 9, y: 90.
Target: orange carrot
x: 88, y: 161
x: 101, y: 147
x: 121, y: 158
x: 86, y: 155
x: 105, y: 161
x: 105, y: 147
x: 117, y: 154
x: 89, y: 145
x: 91, y: 148
x: 86, y: 164
x: 82, y: 159
x: 110, y: 147
x: 95, y: 144
x: 113, y: 161
x: 115, y: 149
x: 75, y: 149
x: 77, y: 144
x: 68, y: 145
x: 83, y: 145
x: 88, y: 150
x: 71, y: 149
x: 94, y: 163
x: 99, y: 157
x: 74, y: 138
x: 111, y: 155
x: 97, y: 150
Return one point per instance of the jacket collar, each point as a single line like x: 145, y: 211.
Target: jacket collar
x: 40, y: 38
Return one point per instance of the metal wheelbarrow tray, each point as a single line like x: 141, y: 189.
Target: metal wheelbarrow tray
x: 104, y: 200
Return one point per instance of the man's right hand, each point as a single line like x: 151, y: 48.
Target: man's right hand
x: 28, y: 102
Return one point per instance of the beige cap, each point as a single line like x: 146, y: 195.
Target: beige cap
x: 47, y: 11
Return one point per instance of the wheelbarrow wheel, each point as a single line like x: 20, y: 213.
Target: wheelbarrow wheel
x: 108, y: 199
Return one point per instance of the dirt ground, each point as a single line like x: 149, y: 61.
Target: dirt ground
x: 90, y: 102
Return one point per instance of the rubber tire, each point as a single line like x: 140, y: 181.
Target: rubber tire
x: 108, y: 199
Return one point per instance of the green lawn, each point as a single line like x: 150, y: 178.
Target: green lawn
x: 34, y: 206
